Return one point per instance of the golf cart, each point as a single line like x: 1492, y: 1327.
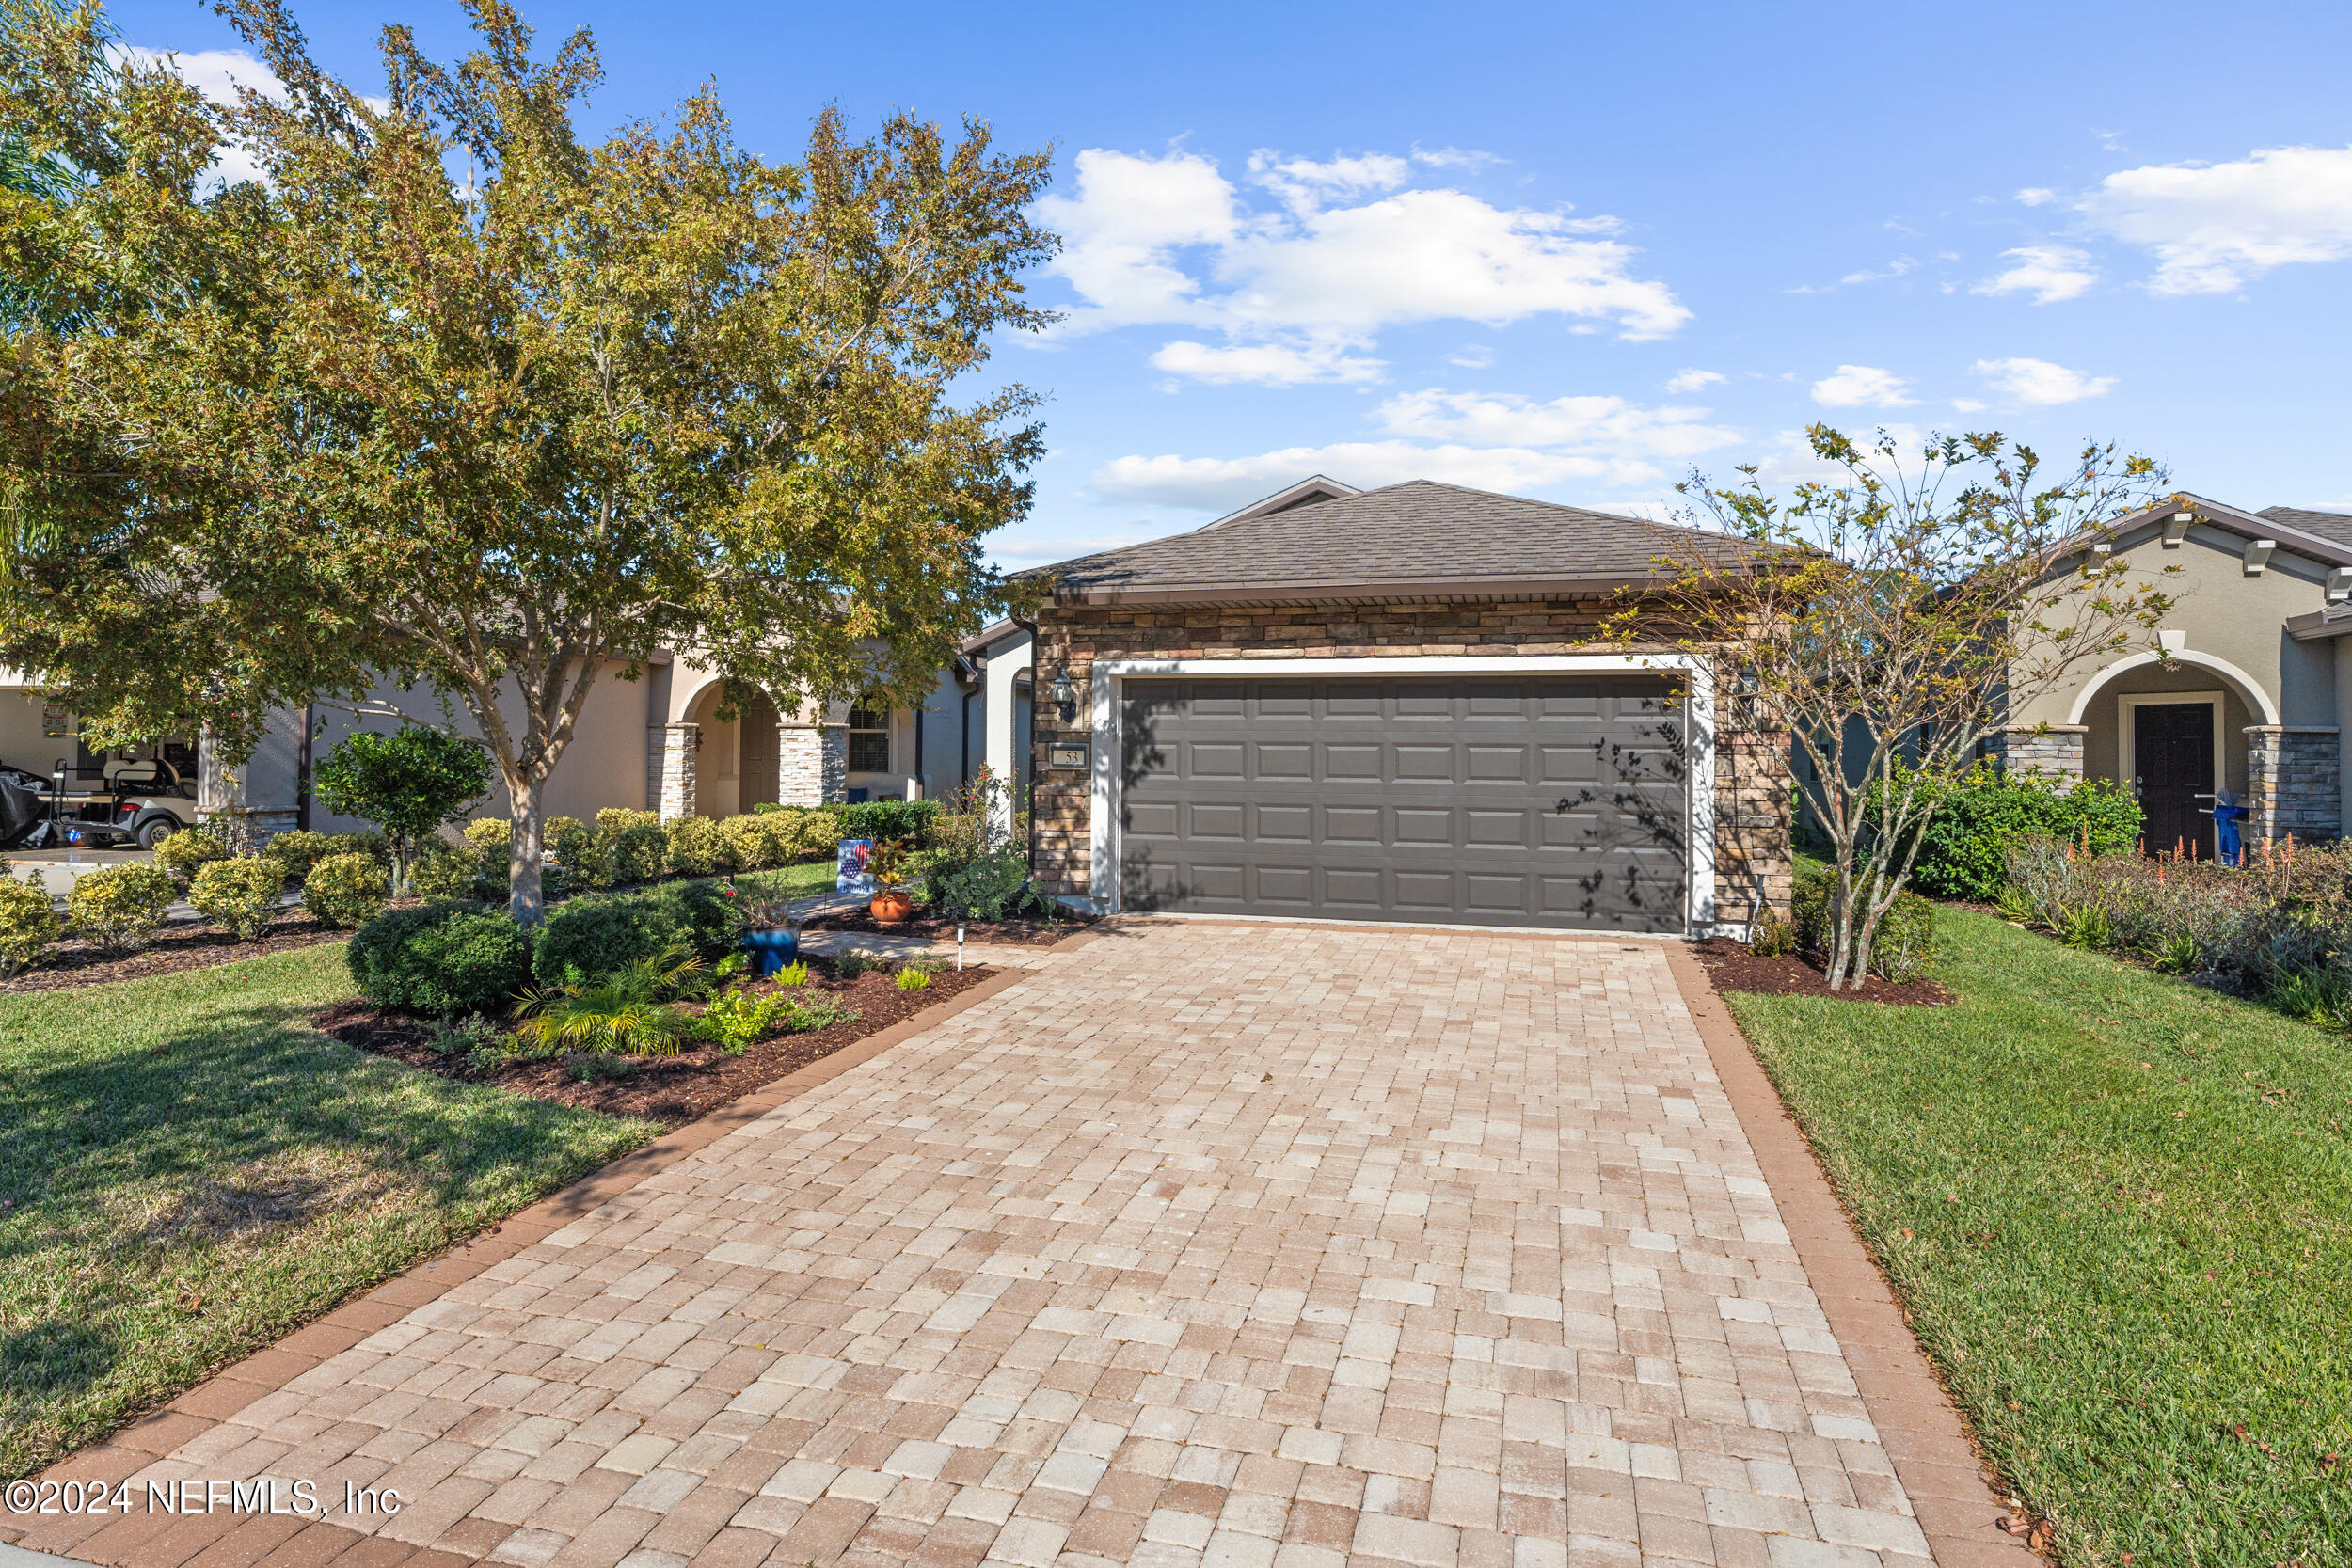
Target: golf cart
x: 143, y: 803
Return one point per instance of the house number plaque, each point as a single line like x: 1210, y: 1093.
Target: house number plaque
x: 1066, y: 753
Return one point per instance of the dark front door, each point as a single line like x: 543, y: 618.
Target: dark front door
x: 2172, y: 757
x: 1542, y: 800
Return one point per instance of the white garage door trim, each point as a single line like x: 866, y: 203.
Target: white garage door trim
x: 1109, y: 675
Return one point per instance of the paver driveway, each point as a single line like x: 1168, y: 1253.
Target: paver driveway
x: 1223, y: 1244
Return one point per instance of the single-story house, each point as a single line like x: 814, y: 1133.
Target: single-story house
x: 1332, y: 703
x: 1393, y: 704
x: 2248, y: 687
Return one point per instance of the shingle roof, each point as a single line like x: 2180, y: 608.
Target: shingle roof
x: 2328, y: 525
x: 1420, y: 534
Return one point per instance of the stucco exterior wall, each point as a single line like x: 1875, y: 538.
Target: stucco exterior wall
x: 1751, y: 797
x: 2225, y: 615
x: 605, y: 765
x: 2103, y: 755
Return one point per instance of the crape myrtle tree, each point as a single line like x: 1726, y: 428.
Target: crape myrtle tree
x: 1893, y: 619
x: 455, y: 396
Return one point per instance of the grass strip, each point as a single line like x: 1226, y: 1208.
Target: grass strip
x: 190, y: 1172
x: 2120, y: 1210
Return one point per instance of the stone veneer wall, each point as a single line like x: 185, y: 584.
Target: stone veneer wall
x: 670, y: 769
x: 2056, y: 749
x: 801, y: 764
x: 2292, y: 777
x: 1752, y: 859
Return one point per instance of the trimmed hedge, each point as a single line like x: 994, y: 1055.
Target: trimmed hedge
x: 908, y: 822
x: 600, y: 935
x: 1980, y: 817
x: 441, y: 959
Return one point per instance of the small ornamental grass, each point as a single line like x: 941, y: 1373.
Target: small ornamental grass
x: 911, y: 978
x: 241, y: 893
x: 28, y: 921
x: 121, y: 906
x: 347, y: 890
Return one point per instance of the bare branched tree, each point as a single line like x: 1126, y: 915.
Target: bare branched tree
x: 1891, y: 621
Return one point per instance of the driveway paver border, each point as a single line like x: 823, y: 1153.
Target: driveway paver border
x: 1924, y: 1432
x: 226, y: 1540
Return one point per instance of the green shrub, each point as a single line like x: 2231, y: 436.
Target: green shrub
x: 1901, y: 950
x: 820, y: 835
x: 620, y: 820
x: 241, y: 894
x: 486, y: 833
x: 792, y: 975
x: 1903, y: 947
x: 587, y: 939
x: 347, y: 890
x: 750, y: 843
x: 907, y: 822
x: 121, y: 906
x: 1772, y: 936
x: 180, y: 853
x: 698, y: 848
x: 409, y: 784
x: 911, y: 978
x: 736, y: 1020
x: 640, y: 851
x: 28, y: 921
x: 441, y: 959
x: 991, y: 888
x: 1980, y: 817
x: 298, y: 850
x: 443, y: 870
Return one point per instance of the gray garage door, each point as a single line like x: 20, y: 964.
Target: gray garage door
x: 1541, y: 800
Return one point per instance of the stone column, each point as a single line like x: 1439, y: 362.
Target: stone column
x: 2046, y: 749
x: 801, y: 764
x: 2293, y: 782
x: 1754, y: 870
x: 670, y: 760
x: 834, y: 763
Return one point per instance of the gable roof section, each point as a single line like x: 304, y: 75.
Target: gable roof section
x: 2324, y: 536
x: 1418, y: 538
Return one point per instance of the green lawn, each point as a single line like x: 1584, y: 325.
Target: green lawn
x: 2120, y: 1209
x: 801, y: 880
x: 189, y: 1172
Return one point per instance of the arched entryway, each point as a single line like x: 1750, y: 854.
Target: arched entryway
x: 738, y: 755
x: 2175, y: 734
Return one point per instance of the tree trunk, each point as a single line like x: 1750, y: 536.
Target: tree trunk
x: 403, y: 861
x: 525, y: 899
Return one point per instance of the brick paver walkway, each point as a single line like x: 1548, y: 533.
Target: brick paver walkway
x: 1246, y: 1248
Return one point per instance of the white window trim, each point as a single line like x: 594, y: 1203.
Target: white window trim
x: 1108, y: 675
x: 2128, y: 705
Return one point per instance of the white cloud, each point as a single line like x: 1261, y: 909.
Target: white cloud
x: 1454, y: 157
x: 1968, y: 406
x: 1894, y: 268
x: 1170, y: 241
x: 2216, y: 226
x: 2038, y: 381
x: 1305, y: 185
x: 1221, y: 483
x: 1862, y: 387
x: 2036, y: 195
x: 1264, y: 364
x: 1605, y: 427
x: 2049, y: 271
x: 1692, y: 381
x: 1471, y: 357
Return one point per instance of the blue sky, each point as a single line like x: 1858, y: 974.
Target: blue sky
x: 1571, y: 250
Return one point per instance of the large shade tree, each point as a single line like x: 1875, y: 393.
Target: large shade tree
x: 1892, y: 618
x: 455, y: 395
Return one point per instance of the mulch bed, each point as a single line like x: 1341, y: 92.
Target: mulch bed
x: 668, y: 1089
x: 76, y: 962
x: 1732, y: 967
x: 1009, y: 933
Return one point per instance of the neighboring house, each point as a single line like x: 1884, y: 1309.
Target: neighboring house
x: 2248, y: 687
x: 1392, y: 704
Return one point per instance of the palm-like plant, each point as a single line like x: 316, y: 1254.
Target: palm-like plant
x: 627, y: 1011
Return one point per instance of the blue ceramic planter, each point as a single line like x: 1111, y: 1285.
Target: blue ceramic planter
x: 770, y: 950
